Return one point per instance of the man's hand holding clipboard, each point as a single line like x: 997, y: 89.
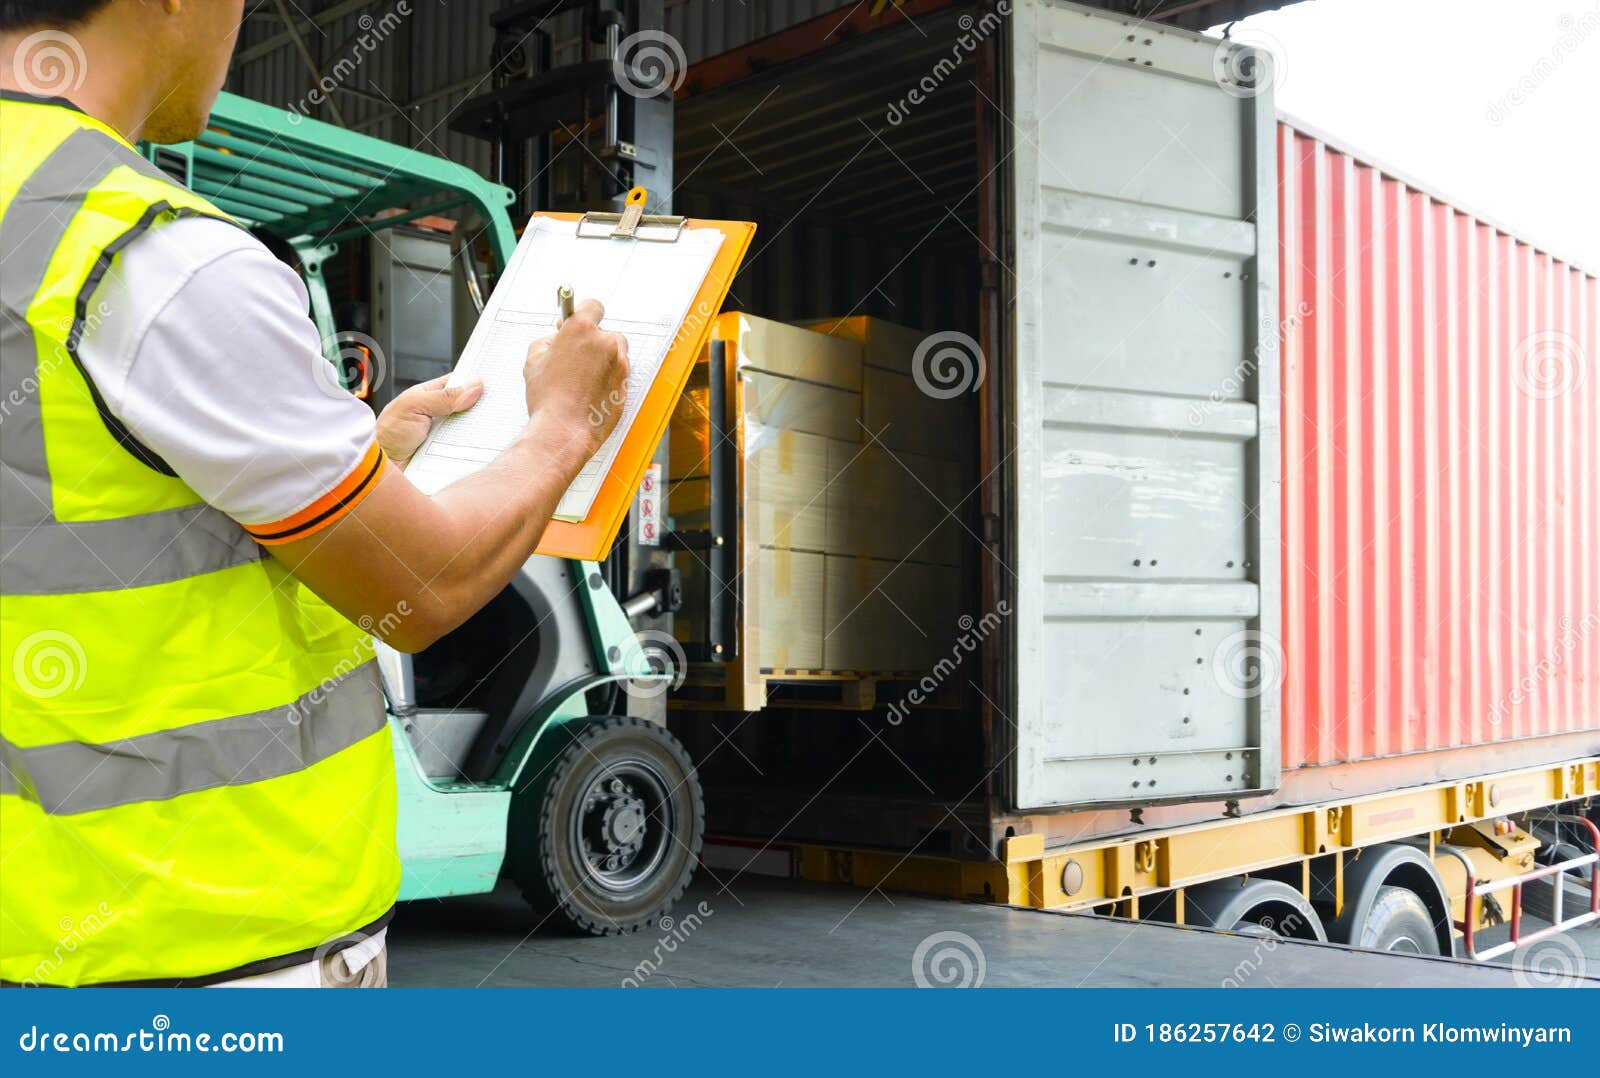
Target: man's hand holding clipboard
x: 579, y: 371
x: 658, y: 283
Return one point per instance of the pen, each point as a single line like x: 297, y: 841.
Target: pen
x: 564, y: 302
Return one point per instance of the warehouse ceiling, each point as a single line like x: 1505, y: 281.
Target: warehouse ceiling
x: 401, y: 71
x: 788, y: 132
x: 271, y: 26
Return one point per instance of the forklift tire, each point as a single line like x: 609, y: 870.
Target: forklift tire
x: 606, y: 837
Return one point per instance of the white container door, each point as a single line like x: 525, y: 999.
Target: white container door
x: 1145, y: 409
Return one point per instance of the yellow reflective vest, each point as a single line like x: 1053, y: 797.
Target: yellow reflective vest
x: 196, y: 777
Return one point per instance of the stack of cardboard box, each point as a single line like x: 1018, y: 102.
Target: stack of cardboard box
x: 850, y: 497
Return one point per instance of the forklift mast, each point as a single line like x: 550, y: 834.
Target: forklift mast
x: 575, y: 137
x: 615, y: 103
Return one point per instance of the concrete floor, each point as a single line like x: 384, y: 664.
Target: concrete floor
x: 767, y: 932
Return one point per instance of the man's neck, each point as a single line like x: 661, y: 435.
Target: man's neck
x: 86, y: 67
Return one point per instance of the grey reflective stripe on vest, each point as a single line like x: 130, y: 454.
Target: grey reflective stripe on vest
x: 67, y: 558
x: 40, y: 555
x: 71, y: 777
x: 31, y: 230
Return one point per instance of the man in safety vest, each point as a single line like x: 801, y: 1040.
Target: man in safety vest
x: 196, y: 777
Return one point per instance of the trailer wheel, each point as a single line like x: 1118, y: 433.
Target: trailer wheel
x: 1254, y: 907
x: 1398, y: 921
x: 1368, y: 876
x: 606, y: 837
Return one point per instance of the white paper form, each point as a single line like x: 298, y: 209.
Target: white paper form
x: 646, y: 288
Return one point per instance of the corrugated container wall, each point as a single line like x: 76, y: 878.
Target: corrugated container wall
x: 1441, y: 410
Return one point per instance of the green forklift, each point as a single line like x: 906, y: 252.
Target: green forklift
x: 514, y: 746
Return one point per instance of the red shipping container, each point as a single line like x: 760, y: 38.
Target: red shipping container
x: 1441, y: 473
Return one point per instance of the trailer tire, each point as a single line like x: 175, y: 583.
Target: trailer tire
x: 605, y: 837
x: 1257, y: 907
x: 1371, y: 873
x: 1398, y: 921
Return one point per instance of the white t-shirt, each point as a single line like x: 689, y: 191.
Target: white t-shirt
x: 309, y: 974
x: 199, y: 340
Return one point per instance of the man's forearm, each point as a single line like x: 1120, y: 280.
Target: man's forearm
x: 435, y: 560
x: 496, y: 516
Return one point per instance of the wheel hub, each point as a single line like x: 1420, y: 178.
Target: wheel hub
x: 618, y: 839
x: 624, y: 824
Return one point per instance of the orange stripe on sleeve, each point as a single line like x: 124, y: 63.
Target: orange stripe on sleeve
x: 331, y: 507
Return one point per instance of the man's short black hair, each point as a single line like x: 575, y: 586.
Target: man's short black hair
x: 21, y: 14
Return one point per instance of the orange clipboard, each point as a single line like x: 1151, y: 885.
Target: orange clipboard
x: 591, y: 538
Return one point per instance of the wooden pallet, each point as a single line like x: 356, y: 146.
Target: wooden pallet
x: 719, y: 687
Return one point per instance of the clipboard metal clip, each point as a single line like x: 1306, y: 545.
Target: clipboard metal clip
x: 627, y: 224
